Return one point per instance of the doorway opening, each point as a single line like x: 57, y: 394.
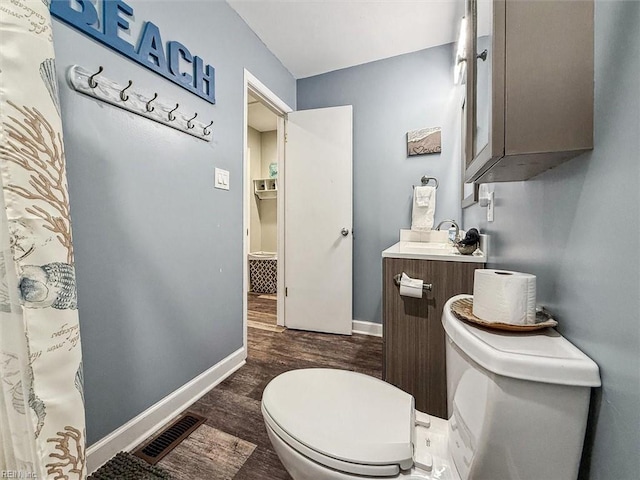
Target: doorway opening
x: 263, y: 288
x: 262, y: 152
x: 313, y: 190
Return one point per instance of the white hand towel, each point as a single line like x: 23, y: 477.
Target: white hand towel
x: 424, y: 207
x: 423, y: 195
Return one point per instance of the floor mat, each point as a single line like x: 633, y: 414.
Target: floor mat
x: 125, y: 466
x: 208, y: 454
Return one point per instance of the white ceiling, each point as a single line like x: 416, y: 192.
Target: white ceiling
x: 311, y: 37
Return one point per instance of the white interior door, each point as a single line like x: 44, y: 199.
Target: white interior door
x: 318, y: 220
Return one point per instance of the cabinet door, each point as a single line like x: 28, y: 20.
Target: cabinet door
x: 485, y: 85
x: 529, y: 86
x: 413, y: 336
x: 482, y: 58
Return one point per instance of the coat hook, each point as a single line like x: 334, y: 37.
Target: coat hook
x: 189, y: 124
x: 172, y: 117
x: 91, y: 81
x: 205, y: 132
x: 123, y: 96
x: 149, y: 107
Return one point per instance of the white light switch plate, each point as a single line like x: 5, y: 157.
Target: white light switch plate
x: 221, y: 179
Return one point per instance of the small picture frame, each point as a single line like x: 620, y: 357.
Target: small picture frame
x: 424, y: 141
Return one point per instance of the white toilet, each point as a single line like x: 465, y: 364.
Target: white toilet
x: 517, y: 404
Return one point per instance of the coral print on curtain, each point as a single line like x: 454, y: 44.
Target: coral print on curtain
x: 42, y: 428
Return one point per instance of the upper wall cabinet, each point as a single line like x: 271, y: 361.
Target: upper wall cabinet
x: 529, y: 86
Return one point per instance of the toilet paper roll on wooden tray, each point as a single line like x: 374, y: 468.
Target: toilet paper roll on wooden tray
x: 463, y: 310
x: 504, y: 297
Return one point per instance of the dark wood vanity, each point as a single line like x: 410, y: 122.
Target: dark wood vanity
x: 413, y: 336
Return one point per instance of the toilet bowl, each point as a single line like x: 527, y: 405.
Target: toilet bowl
x: 517, y: 406
x: 377, y: 424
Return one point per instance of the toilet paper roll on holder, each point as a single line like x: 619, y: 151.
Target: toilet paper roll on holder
x: 425, y: 286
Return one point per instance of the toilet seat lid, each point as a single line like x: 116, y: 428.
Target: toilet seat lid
x: 343, y: 415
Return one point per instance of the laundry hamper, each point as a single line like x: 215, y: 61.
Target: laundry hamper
x: 263, y: 272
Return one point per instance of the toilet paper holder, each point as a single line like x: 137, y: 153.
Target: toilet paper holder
x: 425, y: 286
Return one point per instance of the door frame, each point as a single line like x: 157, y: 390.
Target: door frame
x: 280, y: 108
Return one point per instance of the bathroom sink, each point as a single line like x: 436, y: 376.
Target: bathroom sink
x: 432, y: 245
x: 428, y: 248
x: 429, y: 245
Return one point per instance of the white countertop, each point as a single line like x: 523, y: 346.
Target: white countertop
x: 432, y: 245
x: 416, y: 251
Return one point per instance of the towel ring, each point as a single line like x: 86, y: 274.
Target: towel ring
x: 425, y: 181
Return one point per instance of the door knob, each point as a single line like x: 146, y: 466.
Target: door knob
x: 344, y: 232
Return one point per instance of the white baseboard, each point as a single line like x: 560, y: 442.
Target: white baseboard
x: 136, y: 430
x: 366, y: 328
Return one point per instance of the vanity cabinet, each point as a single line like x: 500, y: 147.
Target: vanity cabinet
x: 529, y: 87
x: 413, y: 335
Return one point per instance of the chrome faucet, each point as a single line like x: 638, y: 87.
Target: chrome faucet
x: 452, y: 222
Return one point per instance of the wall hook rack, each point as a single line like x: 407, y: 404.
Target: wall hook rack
x: 125, y: 97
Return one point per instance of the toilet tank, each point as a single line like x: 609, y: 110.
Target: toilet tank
x: 517, y: 402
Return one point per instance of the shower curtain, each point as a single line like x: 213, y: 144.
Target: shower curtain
x: 42, y: 429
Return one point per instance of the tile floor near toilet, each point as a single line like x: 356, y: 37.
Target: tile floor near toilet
x: 233, y: 444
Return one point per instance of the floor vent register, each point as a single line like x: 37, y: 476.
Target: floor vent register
x: 169, y: 438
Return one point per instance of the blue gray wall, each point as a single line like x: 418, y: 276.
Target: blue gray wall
x: 158, y: 250
x: 391, y: 97
x: 577, y: 228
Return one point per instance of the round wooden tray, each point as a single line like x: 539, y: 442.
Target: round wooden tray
x: 463, y: 309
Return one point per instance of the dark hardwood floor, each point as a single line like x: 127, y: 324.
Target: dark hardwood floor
x: 233, y: 443
x: 262, y: 309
